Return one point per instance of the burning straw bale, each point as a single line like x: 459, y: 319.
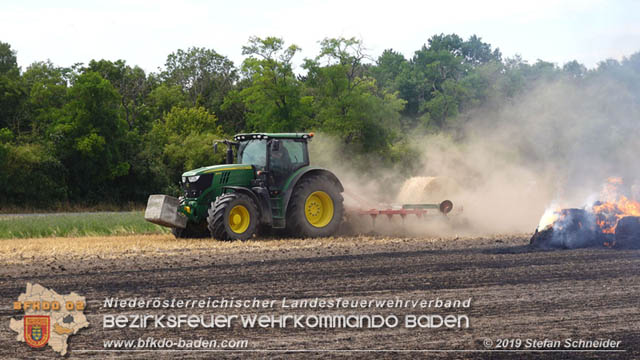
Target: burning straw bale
x: 578, y: 228
x: 574, y: 228
x: 613, y: 222
x: 628, y: 233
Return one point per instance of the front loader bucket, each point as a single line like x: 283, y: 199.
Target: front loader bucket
x: 163, y: 210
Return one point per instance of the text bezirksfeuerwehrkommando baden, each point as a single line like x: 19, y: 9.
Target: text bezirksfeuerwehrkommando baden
x: 284, y: 303
x: 143, y: 321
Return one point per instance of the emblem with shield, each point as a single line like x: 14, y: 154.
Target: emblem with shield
x: 36, y: 330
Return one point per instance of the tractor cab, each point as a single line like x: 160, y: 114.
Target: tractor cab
x: 274, y: 157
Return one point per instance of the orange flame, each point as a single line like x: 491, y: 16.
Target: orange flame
x: 614, y: 180
x: 614, y: 208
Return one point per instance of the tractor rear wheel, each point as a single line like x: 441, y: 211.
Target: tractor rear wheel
x: 233, y: 216
x: 316, y: 208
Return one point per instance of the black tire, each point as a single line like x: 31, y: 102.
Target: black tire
x: 218, y: 219
x: 192, y: 231
x: 297, y: 223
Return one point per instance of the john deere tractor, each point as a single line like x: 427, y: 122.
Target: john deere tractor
x: 270, y: 186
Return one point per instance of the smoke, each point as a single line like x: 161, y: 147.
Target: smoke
x: 364, y: 181
x: 556, y: 143
x: 575, y: 228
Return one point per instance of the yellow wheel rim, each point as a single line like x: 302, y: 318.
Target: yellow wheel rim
x: 318, y: 209
x: 239, y: 219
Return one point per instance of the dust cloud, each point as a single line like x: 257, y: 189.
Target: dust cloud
x: 557, y: 143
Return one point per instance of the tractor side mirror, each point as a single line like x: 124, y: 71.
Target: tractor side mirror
x: 275, y: 145
x: 215, y: 147
x: 229, y: 154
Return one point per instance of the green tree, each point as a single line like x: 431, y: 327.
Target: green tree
x: 631, y: 66
x: 347, y: 101
x: 89, y: 138
x: 476, y: 52
x: 441, y: 78
x: 480, y: 85
x: 442, y: 60
x: 206, y: 78
x: 12, y: 93
x: 132, y: 85
x: 8, y: 59
x: 203, y: 74
x: 163, y: 98
x: 273, y: 98
x: 30, y: 175
x: 183, y: 139
x: 389, y: 66
x: 472, y: 51
x: 574, y: 69
x: 46, y: 86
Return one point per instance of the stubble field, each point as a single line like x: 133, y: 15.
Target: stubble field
x: 517, y: 292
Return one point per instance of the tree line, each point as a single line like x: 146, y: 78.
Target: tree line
x: 107, y: 131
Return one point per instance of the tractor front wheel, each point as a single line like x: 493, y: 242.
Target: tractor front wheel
x: 192, y: 231
x: 233, y: 216
x: 315, y: 209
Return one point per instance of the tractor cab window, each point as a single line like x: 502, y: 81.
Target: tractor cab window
x: 297, y: 153
x: 286, y: 157
x: 253, y: 152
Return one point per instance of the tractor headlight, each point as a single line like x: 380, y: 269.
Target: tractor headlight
x: 184, y: 179
x: 194, y: 178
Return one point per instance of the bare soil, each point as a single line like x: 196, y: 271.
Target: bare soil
x: 517, y: 292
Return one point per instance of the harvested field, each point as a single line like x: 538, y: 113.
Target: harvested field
x: 517, y: 292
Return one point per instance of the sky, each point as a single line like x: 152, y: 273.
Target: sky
x: 144, y: 32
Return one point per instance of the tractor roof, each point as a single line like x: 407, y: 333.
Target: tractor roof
x: 250, y: 136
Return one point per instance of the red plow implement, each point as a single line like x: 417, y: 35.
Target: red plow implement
x: 419, y: 210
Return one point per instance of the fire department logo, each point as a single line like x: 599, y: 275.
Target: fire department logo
x: 36, y: 330
x: 49, y: 318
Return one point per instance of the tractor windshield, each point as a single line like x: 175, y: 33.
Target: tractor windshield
x: 253, y: 152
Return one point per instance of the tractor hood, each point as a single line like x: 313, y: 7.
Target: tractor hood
x: 216, y: 168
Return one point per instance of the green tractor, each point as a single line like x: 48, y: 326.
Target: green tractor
x: 270, y: 186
